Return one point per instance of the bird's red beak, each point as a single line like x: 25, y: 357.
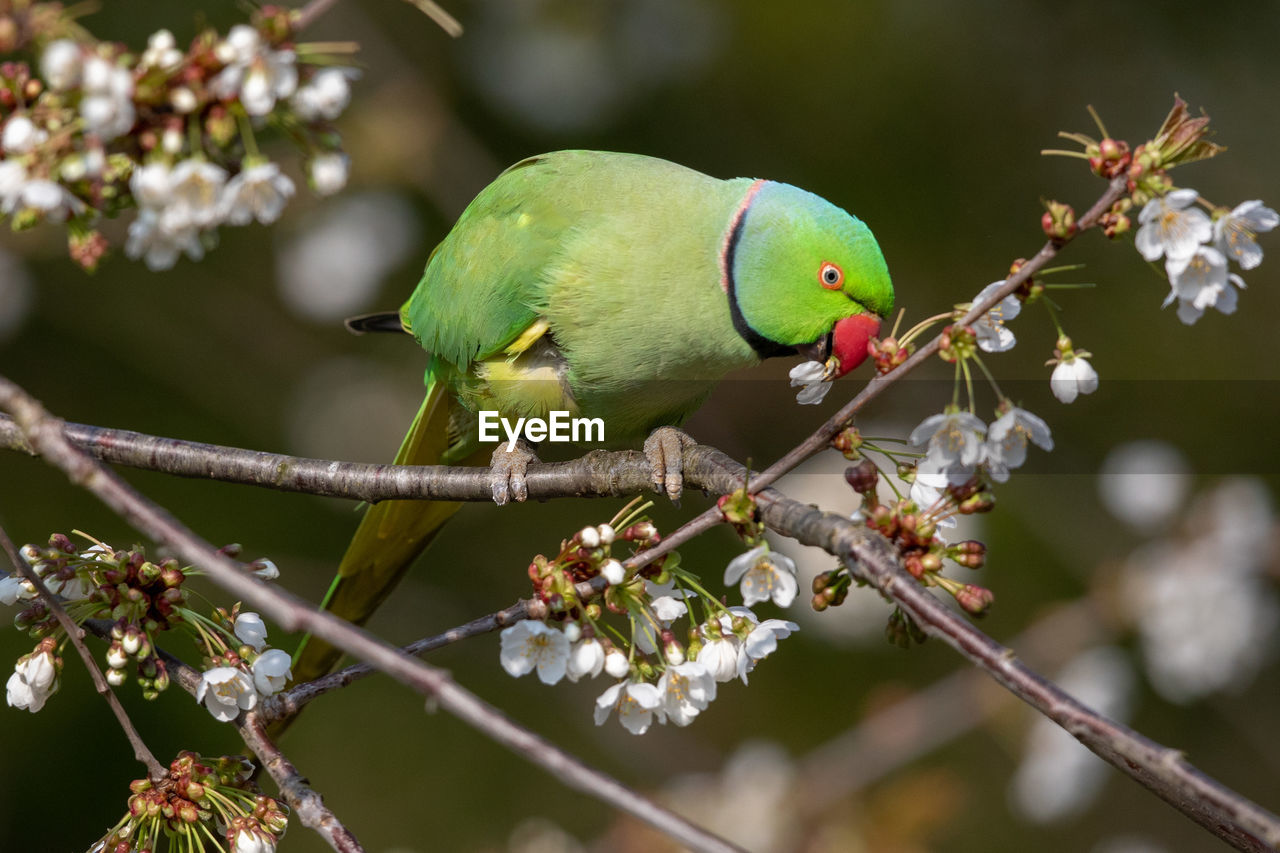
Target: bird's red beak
x: 849, y: 340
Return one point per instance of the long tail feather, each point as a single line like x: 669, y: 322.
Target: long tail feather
x: 390, y: 536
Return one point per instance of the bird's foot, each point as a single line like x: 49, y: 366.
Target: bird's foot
x: 507, y: 470
x: 665, y: 449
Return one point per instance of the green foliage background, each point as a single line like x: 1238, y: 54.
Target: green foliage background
x: 924, y: 119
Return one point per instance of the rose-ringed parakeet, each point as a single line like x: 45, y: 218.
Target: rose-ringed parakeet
x: 612, y: 286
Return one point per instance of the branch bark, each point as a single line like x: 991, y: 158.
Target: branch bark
x: 43, y: 432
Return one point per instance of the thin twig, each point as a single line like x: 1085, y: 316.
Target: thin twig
x: 76, y: 635
x: 308, y: 14
x: 306, y: 803
x: 44, y: 433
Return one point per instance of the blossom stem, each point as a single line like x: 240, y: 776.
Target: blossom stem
x: 1097, y: 119
x: 246, y: 133
x: 1059, y: 152
x: 968, y: 384
x: 916, y: 330
x: 987, y: 371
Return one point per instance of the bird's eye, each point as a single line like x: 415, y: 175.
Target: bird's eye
x: 831, y: 276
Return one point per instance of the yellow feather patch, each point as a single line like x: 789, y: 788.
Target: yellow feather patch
x: 528, y: 337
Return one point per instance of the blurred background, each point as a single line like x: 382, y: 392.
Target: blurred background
x: 1150, y: 589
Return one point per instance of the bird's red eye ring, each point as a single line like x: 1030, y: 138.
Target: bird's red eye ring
x: 830, y: 276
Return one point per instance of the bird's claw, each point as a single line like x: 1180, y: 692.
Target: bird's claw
x: 664, y: 450
x: 507, y: 472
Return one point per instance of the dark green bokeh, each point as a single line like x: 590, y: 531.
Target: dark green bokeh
x: 925, y: 120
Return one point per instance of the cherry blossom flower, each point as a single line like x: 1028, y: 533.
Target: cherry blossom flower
x: 107, y: 106
x: 329, y: 173
x: 195, y: 188
x: 810, y: 375
x: 764, y: 575
x: 1235, y: 233
x: 686, y: 690
x: 49, y: 198
x: 158, y: 246
x: 634, y: 702
x: 1073, y: 375
x: 13, y: 177
x: 255, y: 74
x: 955, y: 442
x: 586, y: 658
x: 34, y: 679
x: 15, y: 588
x: 1007, y: 441
x: 1203, y: 283
x: 616, y: 663
x: 226, y: 691
x: 162, y: 52
x: 258, y: 192
x: 246, y: 835
x: 271, y: 671
x: 665, y: 609
x: 60, y: 64
x: 1170, y: 227
x: 719, y: 655
x: 251, y: 630
x: 762, y: 641
x: 530, y: 645
x: 990, y: 330
x: 21, y: 135
x: 325, y: 97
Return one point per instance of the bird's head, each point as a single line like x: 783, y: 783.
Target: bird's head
x: 804, y: 276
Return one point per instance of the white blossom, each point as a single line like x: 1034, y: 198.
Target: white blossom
x: 1007, y: 441
x: 107, y: 106
x: 1073, y: 376
x: 1203, y: 282
x: 60, y: 64
x: 764, y: 575
x: 13, y: 177
x: 1143, y: 483
x: 761, y: 642
x: 613, y: 572
x: 196, y: 188
x: 634, y: 702
x: 226, y: 691
x: 116, y: 657
x: 616, y: 663
x: 49, y: 198
x: 21, y: 135
x: 325, y: 97
x: 162, y: 52
x: 586, y: 658
x: 686, y: 689
x: 810, y: 375
x: 647, y: 624
x: 248, y: 840
x: 34, y: 680
x: 719, y: 655
x: 329, y: 173
x: 15, y: 588
x: 271, y: 671
x: 955, y: 443
x: 158, y: 246
x: 531, y: 644
x: 255, y: 74
x: 1235, y: 234
x: 251, y: 630
x: 266, y: 570
x: 259, y: 192
x: 1172, y: 228
x: 990, y: 330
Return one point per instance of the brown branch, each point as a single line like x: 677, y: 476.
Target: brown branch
x: 306, y: 803
x: 44, y: 434
x: 1222, y: 811
x: 76, y: 635
x: 307, y: 15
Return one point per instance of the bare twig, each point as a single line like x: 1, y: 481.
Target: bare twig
x: 1222, y: 811
x: 76, y: 635
x: 308, y: 14
x: 44, y: 433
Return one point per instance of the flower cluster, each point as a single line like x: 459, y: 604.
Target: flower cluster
x: 141, y: 599
x: 957, y: 443
x: 195, y: 803
x: 659, y: 677
x: 93, y: 130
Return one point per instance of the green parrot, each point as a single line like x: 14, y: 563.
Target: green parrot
x: 612, y: 286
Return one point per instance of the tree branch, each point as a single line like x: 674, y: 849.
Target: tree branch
x: 75, y: 634
x: 44, y: 434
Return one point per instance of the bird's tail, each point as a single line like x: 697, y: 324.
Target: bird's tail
x: 390, y: 536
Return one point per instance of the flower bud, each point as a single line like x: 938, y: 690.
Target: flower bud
x: 974, y: 599
x: 613, y: 572
x: 589, y: 537
x: 607, y: 534
x: 1059, y: 221
x: 616, y: 663
x: 863, y: 477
